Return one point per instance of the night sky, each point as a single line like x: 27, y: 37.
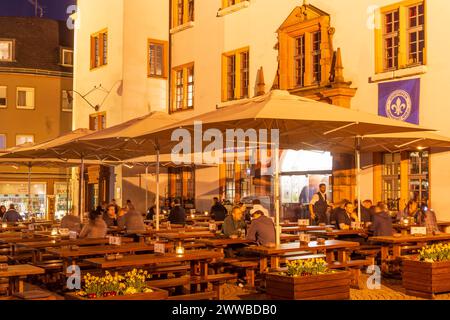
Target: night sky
x: 53, y: 9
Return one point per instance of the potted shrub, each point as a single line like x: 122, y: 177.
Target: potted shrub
x: 429, y: 273
x: 309, y: 280
x: 131, y: 286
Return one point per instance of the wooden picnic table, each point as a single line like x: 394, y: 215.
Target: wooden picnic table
x: 179, y: 236
x: 443, y: 225
x: 198, y: 258
x: 70, y: 256
x: 297, y: 228
x: 223, y: 242
x: 276, y: 252
x: 38, y: 246
x: 335, y: 234
x: 395, y: 244
x: 12, y: 228
x: 14, y: 273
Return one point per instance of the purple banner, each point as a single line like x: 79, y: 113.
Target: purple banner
x: 400, y: 100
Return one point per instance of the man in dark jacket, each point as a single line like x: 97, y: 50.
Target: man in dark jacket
x: 262, y: 228
x: 177, y: 214
x: 382, y: 222
x: 218, y: 211
x: 12, y: 215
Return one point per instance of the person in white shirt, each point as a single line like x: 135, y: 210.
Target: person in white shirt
x: 319, y: 206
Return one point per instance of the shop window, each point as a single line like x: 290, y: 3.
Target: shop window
x: 182, y: 185
x: 17, y: 193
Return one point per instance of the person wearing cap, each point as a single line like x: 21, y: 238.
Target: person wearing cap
x: 262, y: 228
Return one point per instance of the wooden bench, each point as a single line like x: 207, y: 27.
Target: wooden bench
x: 217, y: 280
x: 3, y: 259
x: 249, y: 267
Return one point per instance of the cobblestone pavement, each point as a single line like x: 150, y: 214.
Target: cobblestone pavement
x: 391, y: 289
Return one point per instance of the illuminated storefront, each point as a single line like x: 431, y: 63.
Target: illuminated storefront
x: 301, y: 174
x: 17, y: 193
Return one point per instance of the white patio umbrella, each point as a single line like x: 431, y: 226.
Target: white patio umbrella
x: 121, y: 142
x: 301, y: 122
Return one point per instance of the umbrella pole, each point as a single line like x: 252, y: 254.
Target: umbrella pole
x: 146, y: 187
x: 277, y: 197
x: 30, y: 204
x: 157, y: 189
x: 80, y: 197
x: 358, y: 174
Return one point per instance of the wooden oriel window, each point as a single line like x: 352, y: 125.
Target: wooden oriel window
x: 236, y: 74
x: 97, y: 121
x: 400, y: 40
x: 183, y: 12
x: 183, y: 88
x: 157, y: 58
x: 99, y: 49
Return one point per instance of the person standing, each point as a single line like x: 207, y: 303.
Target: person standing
x: 319, y: 206
x: 12, y: 215
x: 177, y: 214
x: 218, y: 210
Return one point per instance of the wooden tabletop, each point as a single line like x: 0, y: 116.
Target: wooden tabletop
x: 444, y: 223
x: 297, y: 228
x: 7, y: 235
x: 222, y: 242
x: 154, y: 259
x: 186, y: 235
x: 339, y: 233
x: 47, y: 243
x: 297, y: 246
x: 100, y: 250
x: 21, y: 270
x: 411, y: 238
x: 12, y: 228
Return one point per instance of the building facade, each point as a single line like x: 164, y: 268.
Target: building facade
x: 36, y: 73
x: 199, y: 55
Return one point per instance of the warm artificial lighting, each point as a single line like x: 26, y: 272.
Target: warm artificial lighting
x: 54, y: 232
x: 192, y: 216
x: 420, y: 148
x: 206, y: 213
x: 179, y: 250
x: 4, y: 225
x: 405, y: 221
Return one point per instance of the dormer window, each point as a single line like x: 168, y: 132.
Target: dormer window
x: 67, y: 57
x: 6, y: 50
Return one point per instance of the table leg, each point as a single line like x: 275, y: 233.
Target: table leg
x: 263, y: 265
x: 330, y: 256
x: 342, y: 256
x: 384, y: 259
x: 274, y: 262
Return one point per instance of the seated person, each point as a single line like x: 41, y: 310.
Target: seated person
x: 431, y: 222
x: 338, y: 209
x: 177, y: 214
x: 151, y: 213
x: 12, y: 215
x: 218, y: 210
x: 132, y: 222
x: 344, y: 219
x: 366, y: 215
x: 413, y: 210
x: 71, y: 222
x: 95, y: 228
x: 262, y: 228
x: 234, y: 223
x: 110, y: 216
x: 382, y: 221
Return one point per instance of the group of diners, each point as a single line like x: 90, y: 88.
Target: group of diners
x: 376, y: 218
x: 106, y: 216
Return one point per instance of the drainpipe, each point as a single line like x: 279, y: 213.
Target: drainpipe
x: 169, y: 75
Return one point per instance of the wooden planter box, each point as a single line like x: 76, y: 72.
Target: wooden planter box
x: 425, y: 279
x: 333, y: 286
x: 157, y: 294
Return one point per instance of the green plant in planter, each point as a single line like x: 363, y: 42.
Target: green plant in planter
x: 435, y: 253
x: 310, y: 267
